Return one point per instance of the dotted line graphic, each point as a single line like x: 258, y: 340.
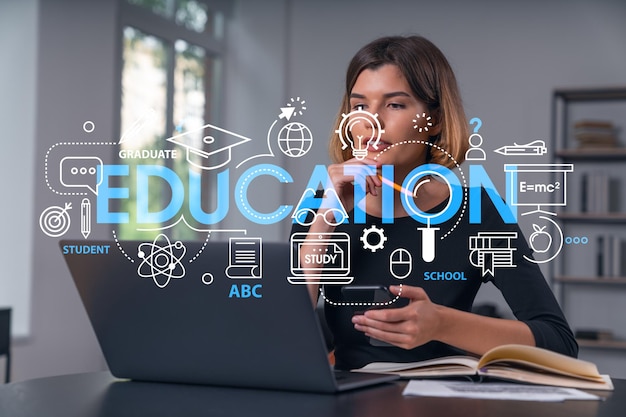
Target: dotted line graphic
x: 241, y: 198
x: 208, y: 235
x: 335, y: 303
x: 119, y: 246
x: 463, y: 208
x: 45, y: 164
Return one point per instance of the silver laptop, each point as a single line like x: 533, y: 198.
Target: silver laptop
x: 217, y: 313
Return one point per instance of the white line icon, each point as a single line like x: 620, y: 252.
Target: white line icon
x: 320, y: 258
x: 209, y: 144
x: 81, y: 172
x: 360, y: 130
x: 379, y: 240
x: 55, y: 221
x: 85, y: 218
x: 527, y: 187
x: 287, y: 113
x: 491, y: 250
x: 400, y: 263
x: 417, y: 122
x: 161, y: 260
x: 245, y: 258
x: 135, y: 129
x: 539, y: 235
x: 333, y: 212
x: 534, y: 148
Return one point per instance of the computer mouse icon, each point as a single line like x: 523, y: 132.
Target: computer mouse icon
x: 400, y: 263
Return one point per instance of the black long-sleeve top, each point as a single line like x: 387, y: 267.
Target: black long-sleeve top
x: 523, y: 286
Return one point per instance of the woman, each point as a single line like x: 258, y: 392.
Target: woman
x: 408, y: 86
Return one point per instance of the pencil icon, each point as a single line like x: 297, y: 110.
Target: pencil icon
x: 85, y: 217
x: 537, y: 147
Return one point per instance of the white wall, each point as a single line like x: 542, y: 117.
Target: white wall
x: 75, y: 81
x: 255, y: 90
x: 507, y: 58
x: 18, y: 46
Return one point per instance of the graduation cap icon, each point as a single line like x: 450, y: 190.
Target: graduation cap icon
x: 208, y: 147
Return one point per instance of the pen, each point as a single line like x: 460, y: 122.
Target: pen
x: 537, y: 147
x: 394, y: 185
x: 85, y: 218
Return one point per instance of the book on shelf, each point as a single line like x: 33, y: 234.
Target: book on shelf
x: 527, y: 364
x: 610, y: 256
x: 600, y: 255
x: 595, y: 140
x: 595, y: 134
x: 622, y: 258
x: 593, y: 124
x: 616, y: 248
x: 599, y: 193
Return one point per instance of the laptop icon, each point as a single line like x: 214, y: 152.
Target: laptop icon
x: 194, y: 330
x: 320, y: 258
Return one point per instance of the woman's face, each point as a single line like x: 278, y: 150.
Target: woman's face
x: 386, y: 92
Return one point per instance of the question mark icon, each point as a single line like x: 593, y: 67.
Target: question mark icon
x: 475, y: 140
x: 478, y: 122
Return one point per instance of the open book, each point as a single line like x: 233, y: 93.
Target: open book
x: 520, y: 363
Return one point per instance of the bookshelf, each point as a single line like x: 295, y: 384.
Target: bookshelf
x: 589, y: 131
x: 602, y: 344
x: 592, y: 154
x: 590, y: 280
x: 613, y: 218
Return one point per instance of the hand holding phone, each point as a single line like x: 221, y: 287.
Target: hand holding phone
x: 370, y: 297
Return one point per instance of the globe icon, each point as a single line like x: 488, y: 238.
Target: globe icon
x: 295, y: 139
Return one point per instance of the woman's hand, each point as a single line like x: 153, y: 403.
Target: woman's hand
x: 343, y: 177
x: 423, y: 321
x: 342, y: 180
x: 406, y: 327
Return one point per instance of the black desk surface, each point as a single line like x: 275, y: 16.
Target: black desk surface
x: 101, y: 395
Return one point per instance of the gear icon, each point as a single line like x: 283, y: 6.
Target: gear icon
x: 381, y: 238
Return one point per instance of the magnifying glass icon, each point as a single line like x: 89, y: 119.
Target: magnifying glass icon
x: 428, y: 233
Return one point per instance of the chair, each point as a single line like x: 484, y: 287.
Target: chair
x: 5, y: 340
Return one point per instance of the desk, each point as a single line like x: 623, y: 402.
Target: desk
x: 101, y: 395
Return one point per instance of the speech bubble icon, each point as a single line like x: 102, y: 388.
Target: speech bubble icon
x: 81, y: 171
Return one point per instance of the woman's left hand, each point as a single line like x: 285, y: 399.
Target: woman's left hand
x: 406, y: 327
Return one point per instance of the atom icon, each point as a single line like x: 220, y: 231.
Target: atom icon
x: 161, y: 260
x: 55, y: 221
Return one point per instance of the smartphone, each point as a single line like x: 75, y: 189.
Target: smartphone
x: 367, y: 297
x: 370, y: 297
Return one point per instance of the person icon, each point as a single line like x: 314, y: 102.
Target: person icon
x: 475, y: 152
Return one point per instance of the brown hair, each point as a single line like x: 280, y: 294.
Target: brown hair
x: 431, y: 80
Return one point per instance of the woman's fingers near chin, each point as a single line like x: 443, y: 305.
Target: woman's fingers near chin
x: 371, y: 186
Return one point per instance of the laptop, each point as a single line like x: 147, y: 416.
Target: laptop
x: 328, y: 258
x: 194, y: 312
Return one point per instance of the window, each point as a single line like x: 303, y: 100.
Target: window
x: 170, y: 78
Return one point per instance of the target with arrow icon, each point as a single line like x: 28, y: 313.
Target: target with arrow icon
x: 55, y: 221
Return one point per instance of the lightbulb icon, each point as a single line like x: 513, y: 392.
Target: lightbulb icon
x: 364, y: 121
